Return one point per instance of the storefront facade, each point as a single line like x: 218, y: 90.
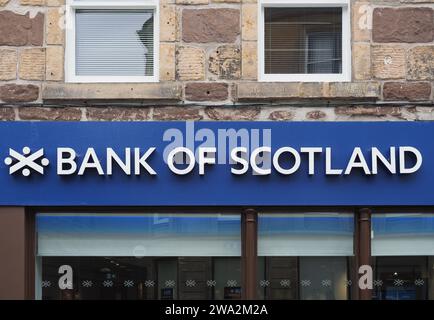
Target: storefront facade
x: 307, y: 125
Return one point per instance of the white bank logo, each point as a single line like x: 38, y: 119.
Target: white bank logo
x: 27, y: 161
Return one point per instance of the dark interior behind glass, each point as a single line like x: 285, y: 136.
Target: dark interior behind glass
x: 165, y: 278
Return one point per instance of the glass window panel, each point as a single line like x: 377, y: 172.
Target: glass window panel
x: 403, y: 250
x: 167, y: 271
x: 308, y: 234
x: 403, y: 234
x: 303, y: 278
x: 140, y: 256
x: 402, y: 278
x: 303, y: 40
x: 138, y: 235
x: 327, y: 278
x: 114, y: 42
x: 278, y: 278
x: 304, y: 256
x: 431, y: 277
x: 227, y: 274
x: 142, y: 278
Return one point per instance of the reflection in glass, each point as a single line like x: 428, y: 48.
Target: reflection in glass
x: 305, y: 256
x: 403, y: 278
x: 138, y: 235
x: 401, y: 234
x: 308, y: 234
x: 282, y: 274
x: 403, y: 251
x: 140, y: 256
x: 116, y: 278
x: 328, y: 278
x: 227, y: 277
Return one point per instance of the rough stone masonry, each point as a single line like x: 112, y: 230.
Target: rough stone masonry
x: 208, y: 50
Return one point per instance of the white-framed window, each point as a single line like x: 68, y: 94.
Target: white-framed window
x: 112, y: 41
x: 304, y: 40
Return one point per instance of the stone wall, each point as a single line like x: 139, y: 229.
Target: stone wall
x: 208, y: 54
x: 314, y: 112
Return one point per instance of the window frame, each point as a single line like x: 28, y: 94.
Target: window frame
x: 70, y: 39
x: 345, y: 76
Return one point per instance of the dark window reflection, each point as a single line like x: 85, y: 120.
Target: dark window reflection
x: 403, y: 250
x: 403, y: 278
x: 304, y: 278
x: 167, y: 278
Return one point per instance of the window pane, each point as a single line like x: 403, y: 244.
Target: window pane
x: 140, y: 256
x: 282, y: 274
x: 303, y: 278
x: 403, y: 247
x: 114, y: 42
x: 138, y: 235
x: 327, y: 277
x: 303, y: 40
x: 227, y: 274
x: 403, y: 278
x: 308, y: 234
x: 304, y: 256
x: 141, y: 278
x: 403, y: 234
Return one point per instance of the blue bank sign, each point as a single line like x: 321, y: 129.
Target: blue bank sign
x: 216, y: 163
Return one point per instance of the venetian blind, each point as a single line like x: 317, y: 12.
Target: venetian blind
x: 114, y: 42
x: 303, y: 40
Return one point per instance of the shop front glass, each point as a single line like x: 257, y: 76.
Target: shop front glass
x: 403, y: 256
x: 197, y: 256
x: 139, y: 256
x: 305, y: 256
